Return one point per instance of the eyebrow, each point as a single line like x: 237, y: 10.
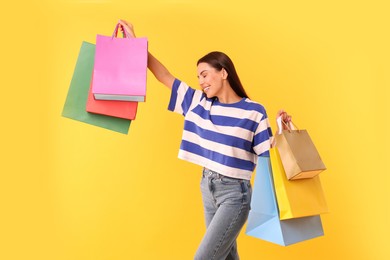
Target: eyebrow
x: 201, y: 72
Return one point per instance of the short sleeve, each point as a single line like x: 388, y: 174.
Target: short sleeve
x: 262, y: 137
x: 182, y: 97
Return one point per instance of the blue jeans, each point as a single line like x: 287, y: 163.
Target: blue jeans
x: 226, y: 204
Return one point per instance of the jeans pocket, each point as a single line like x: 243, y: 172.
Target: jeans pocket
x: 234, y: 191
x: 248, y: 194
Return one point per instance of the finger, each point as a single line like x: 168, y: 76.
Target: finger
x: 125, y: 27
x: 122, y: 24
x: 125, y: 23
x: 280, y: 112
x: 285, y: 116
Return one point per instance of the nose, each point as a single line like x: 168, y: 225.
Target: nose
x: 201, y: 81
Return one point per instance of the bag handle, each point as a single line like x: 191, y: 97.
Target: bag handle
x: 115, y: 33
x: 290, y: 125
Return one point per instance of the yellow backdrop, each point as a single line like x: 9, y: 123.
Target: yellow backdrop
x: 73, y: 191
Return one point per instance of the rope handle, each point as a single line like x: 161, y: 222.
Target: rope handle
x: 290, y: 125
x: 115, y: 33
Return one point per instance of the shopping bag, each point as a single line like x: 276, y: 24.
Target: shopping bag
x: 299, y: 198
x: 299, y: 156
x: 121, y: 109
x: 263, y: 220
x: 76, y: 99
x: 120, y: 68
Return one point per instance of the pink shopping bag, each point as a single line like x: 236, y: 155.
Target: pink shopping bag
x: 120, y: 68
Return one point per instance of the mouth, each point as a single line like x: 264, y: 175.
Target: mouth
x: 206, y: 89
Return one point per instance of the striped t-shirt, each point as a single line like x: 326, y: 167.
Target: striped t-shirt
x: 226, y: 138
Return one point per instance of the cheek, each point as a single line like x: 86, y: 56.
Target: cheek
x: 217, y: 82
x: 212, y: 80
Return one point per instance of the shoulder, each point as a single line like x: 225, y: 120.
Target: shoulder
x: 255, y: 107
x: 186, y: 91
x: 178, y: 84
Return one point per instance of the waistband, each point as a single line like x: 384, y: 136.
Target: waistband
x: 213, y: 174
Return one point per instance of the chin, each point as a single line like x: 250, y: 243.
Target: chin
x: 209, y: 96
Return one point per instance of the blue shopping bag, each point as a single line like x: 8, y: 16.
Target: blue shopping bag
x: 263, y: 219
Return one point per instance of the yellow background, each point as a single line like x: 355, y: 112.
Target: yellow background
x: 69, y: 190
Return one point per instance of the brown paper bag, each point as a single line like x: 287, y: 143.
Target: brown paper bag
x: 299, y: 156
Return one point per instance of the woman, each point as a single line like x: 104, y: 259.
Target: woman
x: 224, y: 132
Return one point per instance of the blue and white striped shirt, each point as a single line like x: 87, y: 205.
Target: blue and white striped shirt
x: 226, y: 138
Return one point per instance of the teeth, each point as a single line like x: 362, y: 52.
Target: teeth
x: 206, y: 89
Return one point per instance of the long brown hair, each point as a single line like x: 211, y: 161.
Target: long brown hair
x: 219, y: 61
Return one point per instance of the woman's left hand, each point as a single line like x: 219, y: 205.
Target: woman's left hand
x: 286, y: 119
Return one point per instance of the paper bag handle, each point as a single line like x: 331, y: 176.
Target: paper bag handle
x: 115, y: 33
x: 290, y: 126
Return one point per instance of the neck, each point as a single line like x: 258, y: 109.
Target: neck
x: 229, y: 100
x: 228, y: 96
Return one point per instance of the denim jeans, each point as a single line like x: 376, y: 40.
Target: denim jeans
x: 226, y: 204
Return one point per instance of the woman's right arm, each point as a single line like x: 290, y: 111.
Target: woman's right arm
x: 159, y: 71
x: 155, y: 66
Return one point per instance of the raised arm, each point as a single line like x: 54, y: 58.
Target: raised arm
x: 160, y: 71
x: 155, y: 66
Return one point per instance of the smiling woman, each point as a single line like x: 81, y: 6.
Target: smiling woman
x: 224, y: 132
x: 220, y: 62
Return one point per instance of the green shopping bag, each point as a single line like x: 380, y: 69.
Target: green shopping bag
x: 75, y: 104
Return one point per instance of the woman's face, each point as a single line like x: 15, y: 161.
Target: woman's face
x: 210, y: 80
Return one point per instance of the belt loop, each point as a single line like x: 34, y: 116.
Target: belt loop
x: 209, y: 172
x: 205, y: 172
